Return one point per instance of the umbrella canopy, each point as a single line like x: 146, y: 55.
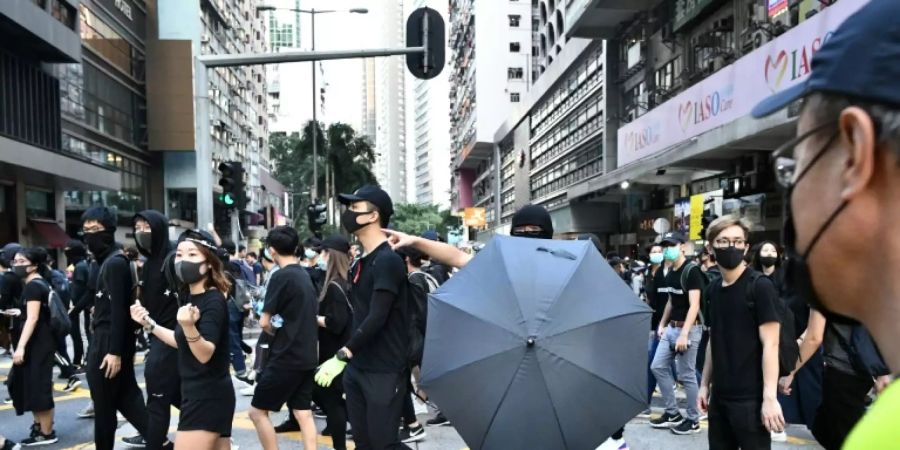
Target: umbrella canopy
x: 536, y: 344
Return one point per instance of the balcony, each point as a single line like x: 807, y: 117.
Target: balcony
x: 36, y: 30
x: 598, y: 19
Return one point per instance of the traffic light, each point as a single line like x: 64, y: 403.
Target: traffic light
x: 232, y: 182
x: 317, y: 215
x: 425, y: 28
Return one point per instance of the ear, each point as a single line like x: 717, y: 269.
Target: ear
x: 859, y: 139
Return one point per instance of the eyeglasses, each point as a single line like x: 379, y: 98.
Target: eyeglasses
x: 783, y: 157
x: 739, y: 243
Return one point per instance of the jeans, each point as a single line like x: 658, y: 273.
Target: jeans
x: 652, y: 343
x: 685, y: 363
x: 235, y: 335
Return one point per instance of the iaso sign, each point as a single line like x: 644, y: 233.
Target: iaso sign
x: 732, y: 92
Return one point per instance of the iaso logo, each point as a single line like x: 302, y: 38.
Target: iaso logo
x: 791, y: 63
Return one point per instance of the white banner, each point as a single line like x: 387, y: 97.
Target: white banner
x: 734, y: 90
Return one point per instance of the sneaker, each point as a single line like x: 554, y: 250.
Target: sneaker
x: 80, y: 370
x: 87, y: 412
x: 779, y: 437
x: 136, y: 441
x: 319, y: 413
x: 613, y: 444
x: 702, y: 417
x: 438, y: 421
x: 7, y: 401
x: 247, y: 391
x: 10, y: 445
x: 645, y: 414
x: 245, y: 379
x: 687, y: 427
x: 35, y: 429
x: 408, y: 435
x: 288, y: 426
x: 667, y: 420
x: 72, y: 384
x: 41, y: 439
x: 327, y: 432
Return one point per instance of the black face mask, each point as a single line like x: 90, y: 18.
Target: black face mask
x: 100, y: 242
x: 73, y: 256
x: 189, y: 272
x: 144, y: 240
x: 729, y: 257
x: 768, y: 261
x: 348, y: 220
x: 21, y: 271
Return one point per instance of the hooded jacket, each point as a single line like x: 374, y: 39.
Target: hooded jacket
x: 157, y: 296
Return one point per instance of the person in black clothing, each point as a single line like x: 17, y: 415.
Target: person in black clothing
x: 110, y: 367
x: 740, y: 377
x: 31, y: 378
x: 10, y: 290
x: 76, y: 255
x: 376, y: 356
x: 289, y: 317
x: 151, y: 233
x: 200, y: 335
x: 440, y: 272
x: 657, y: 297
x: 335, y: 325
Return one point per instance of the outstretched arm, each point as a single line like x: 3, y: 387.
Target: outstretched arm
x: 438, y: 251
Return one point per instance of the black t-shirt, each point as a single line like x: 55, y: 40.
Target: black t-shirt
x: 657, y: 295
x: 734, y: 335
x: 387, y: 350
x: 290, y: 294
x: 680, y: 301
x: 42, y: 338
x: 335, y: 307
x: 10, y: 290
x: 210, y: 380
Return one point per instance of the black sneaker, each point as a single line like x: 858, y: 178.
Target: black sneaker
x: 72, y: 384
x: 319, y: 413
x: 327, y: 432
x: 667, y: 420
x: 288, y: 426
x: 438, y: 421
x: 408, y: 435
x: 40, y: 439
x: 135, y: 441
x: 35, y: 430
x: 10, y: 445
x: 687, y: 427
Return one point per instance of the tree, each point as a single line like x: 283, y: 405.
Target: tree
x: 416, y: 218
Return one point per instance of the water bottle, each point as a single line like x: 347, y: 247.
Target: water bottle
x: 277, y: 321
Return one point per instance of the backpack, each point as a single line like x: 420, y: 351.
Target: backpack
x: 708, y: 279
x: 865, y: 358
x: 420, y: 284
x: 60, y: 323
x: 788, y: 349
x: 60, y: 284
x: 135, y: 278
x: 244, y: 293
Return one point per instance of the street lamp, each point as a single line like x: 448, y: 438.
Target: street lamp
x: 312, y: 13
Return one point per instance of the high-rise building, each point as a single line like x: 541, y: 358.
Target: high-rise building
x: 489, y: 62
x: 368, y: 116
x: 236, y: 98
x: 390, y: 108
x: 429, y: 129
x: 284, y: 24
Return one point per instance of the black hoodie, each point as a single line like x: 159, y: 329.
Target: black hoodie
x: 159, y: 299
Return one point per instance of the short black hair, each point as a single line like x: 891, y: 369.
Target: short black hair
x: 242, y: 247
x: 228, y: 245
x: 252, y: 254
x: 414, y: 255
x: 284, y: 240
x: 101, y: 214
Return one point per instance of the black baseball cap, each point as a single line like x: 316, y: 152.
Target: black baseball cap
x: 861, y: 60
x: 674, y: 237
x: 336, y: 242
x: 374, y: 195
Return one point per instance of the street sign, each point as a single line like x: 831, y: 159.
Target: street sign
x: 425, y: 28
x: 475, y: 217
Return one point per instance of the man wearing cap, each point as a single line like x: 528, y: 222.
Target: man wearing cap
x: 842, y: 175
x: 679, y: 337
x: 376, y: 377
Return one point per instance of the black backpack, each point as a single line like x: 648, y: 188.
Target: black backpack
x: 788, y: 349
x: 417, y: 305
x: 59, y: 314
x: 864, y: 354
x: 708, y: 279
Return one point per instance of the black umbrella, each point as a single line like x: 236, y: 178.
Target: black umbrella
x: 536, y: 344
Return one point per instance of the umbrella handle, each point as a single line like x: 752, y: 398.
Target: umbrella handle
x: 558, y: 253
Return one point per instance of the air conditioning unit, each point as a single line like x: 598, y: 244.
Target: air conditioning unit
x: 760, y: 38
x: 204, y: 39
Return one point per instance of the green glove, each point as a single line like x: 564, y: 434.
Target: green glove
x: 328, y: 371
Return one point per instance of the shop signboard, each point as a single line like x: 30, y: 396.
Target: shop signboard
x: 733, y: 91
x: 475, y: 217
x: 681, y: 217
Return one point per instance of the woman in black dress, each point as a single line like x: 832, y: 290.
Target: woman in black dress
x: 335, y: 325
x: 31, y: 378
x: 201, y: 337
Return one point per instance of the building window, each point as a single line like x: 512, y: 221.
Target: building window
x: 514, y: 47
x: 514, y: 73
x: 102, y: 38
x: 63, y: 13
x: 514, y: 97
x: 667, y: 76
x: 514, y: 20
x: 39, y: 204
x: 635, y: 102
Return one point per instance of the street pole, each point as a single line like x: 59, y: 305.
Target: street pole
x: 315, y: 187
x: 203, y: 152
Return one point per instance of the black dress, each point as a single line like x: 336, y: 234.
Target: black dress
x: 31, y: 383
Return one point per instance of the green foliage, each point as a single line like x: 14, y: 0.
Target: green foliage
x: 416, y: 218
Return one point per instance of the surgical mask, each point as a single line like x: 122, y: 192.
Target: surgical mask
x: 309, y: 254
x: 729, y: 258
x: 189, y: 272
x: 672, y: 253
x: 768, y: 261
x: 144, y: 240
x: 100, y: 242
x: 21, y: 271
x: 348, y: 220
x: 656, y: 258
x: 322, y: 264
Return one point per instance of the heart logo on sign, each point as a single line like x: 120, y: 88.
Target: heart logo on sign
x: 685, y: 112
x: 775, y: 70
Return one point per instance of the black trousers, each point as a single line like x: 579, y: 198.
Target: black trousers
x: 77, y: 343
x: 331, y: 400
x: 843, y: 404
x: 374, y: 401
x: 737, y: 424
x: 163, y: 391
x: 110, y: 395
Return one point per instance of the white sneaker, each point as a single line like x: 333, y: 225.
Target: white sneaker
x: 247, y: 391
x: 87, y: 412
x: 613, y: 444
x: 702, y: 417
x: 779, y: 437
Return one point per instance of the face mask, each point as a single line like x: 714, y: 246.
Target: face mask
x: 73, y: 256
x: 348, y: 221
x: 672, y: 253
x: 656, y: 258
x: 21, y: 271
x: 309, y: 254
x: 768, y: 261
x: 322, y: 264
x: 144, y: 240
x: 100, y: 242
x: 729, y: 257
x: 189, y: 272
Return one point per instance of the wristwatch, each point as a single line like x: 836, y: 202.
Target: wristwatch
x: 342, y: 355
x: 151, y: 325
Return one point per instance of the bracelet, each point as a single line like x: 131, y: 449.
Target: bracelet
x: 151, y: 325
x: 193, y: 339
